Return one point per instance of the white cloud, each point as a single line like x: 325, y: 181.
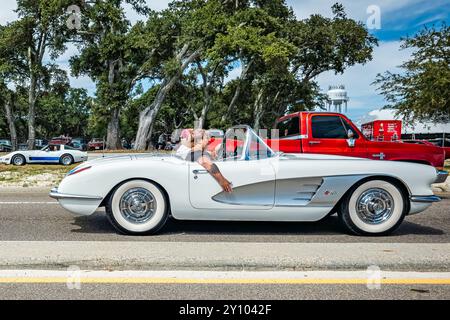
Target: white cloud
x: 358, y: 79
x: 355, y: 9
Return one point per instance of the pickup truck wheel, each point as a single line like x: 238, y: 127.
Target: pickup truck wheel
x: 137, y: 207
x: 66, y: 160
x: 375, y: 208
x: 18, y: 160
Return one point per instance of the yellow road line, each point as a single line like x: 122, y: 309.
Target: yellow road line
x: 106, y: 280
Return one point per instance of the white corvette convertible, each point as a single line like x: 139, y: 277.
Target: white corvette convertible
x: 61, y: 154
x: 140, y: 191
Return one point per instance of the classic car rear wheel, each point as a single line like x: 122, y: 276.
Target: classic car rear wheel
x: 66, y: 160
x: 18, y: 160
x: 375, y: 207
x: 137, y: 207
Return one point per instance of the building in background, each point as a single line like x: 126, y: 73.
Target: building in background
x: 382, y: 130
x: 415, y: 131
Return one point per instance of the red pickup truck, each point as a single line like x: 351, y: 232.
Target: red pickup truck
x: 334, y: 133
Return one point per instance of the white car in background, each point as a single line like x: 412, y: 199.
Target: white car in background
x: 59, y: 154
x: 139, y: 191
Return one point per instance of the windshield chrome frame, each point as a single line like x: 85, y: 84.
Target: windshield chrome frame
x: 246, y: 148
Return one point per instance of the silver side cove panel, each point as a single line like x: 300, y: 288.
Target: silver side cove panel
x: 296, y: 192
x: 313, y: 192
x: 256, y: 194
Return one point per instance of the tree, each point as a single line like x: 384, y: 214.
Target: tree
x: 13, y: 71
x: 40, y: 30
x: 422, y: 91
x: 105, y: 57
x: 278, y: 52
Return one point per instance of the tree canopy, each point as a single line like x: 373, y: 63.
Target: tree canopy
x: 422, y: 90
x: 210, y: 62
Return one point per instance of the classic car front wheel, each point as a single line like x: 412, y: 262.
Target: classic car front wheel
x: 18, y: 160
x: 137, y: 207
x: 375, y: 207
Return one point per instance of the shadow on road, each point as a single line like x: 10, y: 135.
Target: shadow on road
x: 98, y: 224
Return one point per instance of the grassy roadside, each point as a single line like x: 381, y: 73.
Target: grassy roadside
x: 32, y: 175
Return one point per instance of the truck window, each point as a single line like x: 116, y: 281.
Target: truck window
x: 349, y: 127
x: 328, y: 127
x: 289, y: 127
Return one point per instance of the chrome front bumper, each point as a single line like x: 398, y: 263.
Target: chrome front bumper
x: 56, y: 195
x: 425, y: 199
x: 441, y: 176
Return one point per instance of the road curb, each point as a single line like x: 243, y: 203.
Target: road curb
x: 224, y: 256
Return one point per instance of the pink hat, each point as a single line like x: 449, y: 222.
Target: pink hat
x: 185, y: 134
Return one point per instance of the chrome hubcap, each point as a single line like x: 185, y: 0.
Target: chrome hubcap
x: 375, y: 206
x: 66, y: 160
x: 137, y: 205
x: 18, y: 160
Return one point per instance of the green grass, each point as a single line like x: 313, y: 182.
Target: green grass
x: 33, y: 169
x: 17, y: 175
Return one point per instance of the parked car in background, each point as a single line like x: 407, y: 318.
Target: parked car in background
x: 22, y: 146
x: 215, y: 133
x: 61, y: 140
x: 61, y: 154
x: 125, y: 144
x: 40, y: 143
x: 333, y: 133
x: 96, y: 144
x: 79, y: 144
x: 5, y: 145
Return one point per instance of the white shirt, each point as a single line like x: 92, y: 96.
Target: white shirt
x: 183, y: 151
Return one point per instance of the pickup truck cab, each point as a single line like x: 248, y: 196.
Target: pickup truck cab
x: 334, y: 133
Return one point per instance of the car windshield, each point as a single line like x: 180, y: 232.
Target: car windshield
x: 242, y: 143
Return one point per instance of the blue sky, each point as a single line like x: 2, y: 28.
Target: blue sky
x: 398, y: 18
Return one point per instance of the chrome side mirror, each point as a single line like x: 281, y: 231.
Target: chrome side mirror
x: 350, y: 134
x: 351, y: 138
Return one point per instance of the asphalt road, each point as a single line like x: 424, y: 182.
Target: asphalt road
x: 33, y: 216
x: 220, y: 292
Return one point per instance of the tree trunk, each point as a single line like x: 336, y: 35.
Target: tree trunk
x: 32, y: 111
x: 237, y: 92
x: 148, y: 115
x: 205, y: 109
x: 113, y: 134
x: 10, y: 119
x: 258, y: 111
x: 113, y: 130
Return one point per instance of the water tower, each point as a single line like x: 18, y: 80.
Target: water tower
x: 337, y: 99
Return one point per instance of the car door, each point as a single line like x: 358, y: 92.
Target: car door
x: 328, y: 134
x: 248, y: 165
x: 253, y: 185
x: 46, y: 155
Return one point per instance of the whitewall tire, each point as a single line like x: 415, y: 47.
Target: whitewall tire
x: 375, y: 207
x: 18, y: 160
x: 137, y: 207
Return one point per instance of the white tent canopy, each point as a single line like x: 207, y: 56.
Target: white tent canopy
x: 417, y: 127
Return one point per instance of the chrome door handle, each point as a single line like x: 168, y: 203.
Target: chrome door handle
x: 314, y: 142
x: 199, y: 171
